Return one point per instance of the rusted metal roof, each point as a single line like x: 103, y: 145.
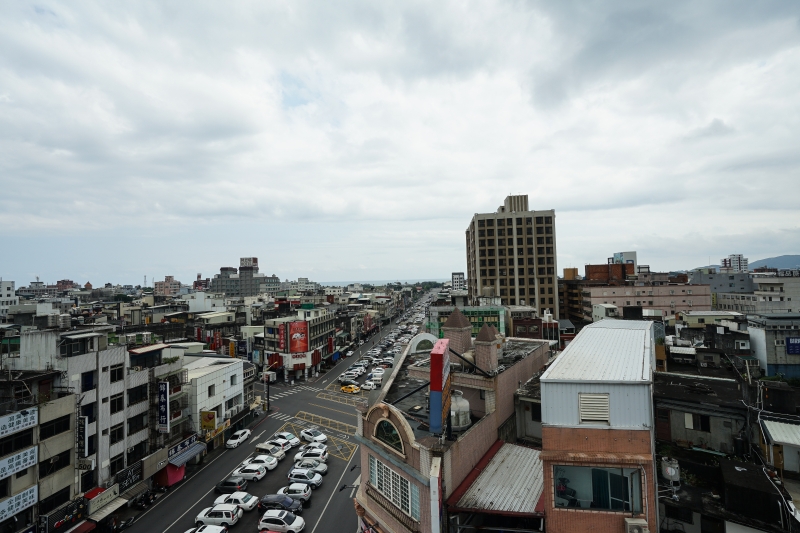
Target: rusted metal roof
x: 511, y: 483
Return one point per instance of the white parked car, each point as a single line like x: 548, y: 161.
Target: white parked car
x: 281, y: 521
x: 313, y: 446
x: 283, y: 444
x: 245, y: 501
x: 285, y: 435
x: 377, y: 371
x: 224, y: 515
x: 369, y: 385
x: 297, y: 491
x: 313, y: 435
x: 207, y: 529
x: 238, y: 438
x: 319, y: 455
x: 313, y: 465
x: 348, y: 354
x: 251, y: 472
x: 267, y: 461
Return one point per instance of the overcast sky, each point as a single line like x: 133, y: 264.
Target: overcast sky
x: 355, y: 140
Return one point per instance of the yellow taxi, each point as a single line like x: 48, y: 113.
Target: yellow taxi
x: 351, y: 389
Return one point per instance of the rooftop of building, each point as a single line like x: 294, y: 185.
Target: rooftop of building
x: 606, y: 351
x: 409, y: 394
x: 777, y: 317
x: 203, y: 365
x: 723, y: 392
x: 509, y: 479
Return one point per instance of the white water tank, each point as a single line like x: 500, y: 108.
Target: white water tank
x: 459, y: 411
x: 670, y: 469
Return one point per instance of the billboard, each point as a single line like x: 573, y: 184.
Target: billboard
x: 208, y: 420
x: 793, y: 345
x: 440, y: 386
x: 163, y: 407
x: 282, y: 337
x: 298, y: 336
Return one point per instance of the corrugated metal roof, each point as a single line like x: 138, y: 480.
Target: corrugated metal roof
x: 512, y: 482
x: 606, y: 351
x: 781, y: 433
x: 146, y: 349
x: 682, y: 350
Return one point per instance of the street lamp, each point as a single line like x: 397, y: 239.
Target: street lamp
x: 266, y: 378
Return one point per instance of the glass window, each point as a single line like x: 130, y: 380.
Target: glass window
x: 397, y: 489
x: 117, y: 373
x: 598, y: 488
x: 54, y: 427
x: 387, y: 433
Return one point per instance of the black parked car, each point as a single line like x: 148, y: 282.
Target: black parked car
x: 346, y: 382
x: 280, y: 502
x: 231, y: 485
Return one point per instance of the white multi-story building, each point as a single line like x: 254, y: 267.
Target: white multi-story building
x: 8, y: 297
x: 457, y: 281
x: 216, y: 385
x: 334, y: 291
x: 734, y: 263
x: 113, y: 397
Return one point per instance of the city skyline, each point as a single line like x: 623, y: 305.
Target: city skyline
x: 357, y: 141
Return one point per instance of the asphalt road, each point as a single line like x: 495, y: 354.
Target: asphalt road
x: 303, y: 405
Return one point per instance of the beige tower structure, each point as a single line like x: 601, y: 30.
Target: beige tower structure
x: 512, y: 253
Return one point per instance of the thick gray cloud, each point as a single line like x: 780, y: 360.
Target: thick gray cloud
x: 356, y: 139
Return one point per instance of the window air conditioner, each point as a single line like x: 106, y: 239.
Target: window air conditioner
x: 636, y: 525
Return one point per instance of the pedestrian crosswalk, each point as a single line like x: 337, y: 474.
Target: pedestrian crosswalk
x: 282, y: 393
x: 281, y: 416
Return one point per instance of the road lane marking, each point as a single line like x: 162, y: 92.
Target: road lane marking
x: 332, y: 493
x: 326, y: 422
x: 332, y: 409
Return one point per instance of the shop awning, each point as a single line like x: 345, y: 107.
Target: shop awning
x: 115, y: 504
x: 183, y: 457
x: 83, y: 527
x: 134, y: 491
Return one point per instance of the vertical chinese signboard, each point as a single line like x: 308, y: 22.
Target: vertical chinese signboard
x: 440, y: 386
x: 163, y: 407
x: 282, y: 337
x: 298, y: 336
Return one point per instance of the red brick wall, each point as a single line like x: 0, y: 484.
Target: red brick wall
x: 596, y: 447
x: 596, y: 440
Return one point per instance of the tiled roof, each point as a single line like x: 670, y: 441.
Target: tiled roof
x: 457, y: 320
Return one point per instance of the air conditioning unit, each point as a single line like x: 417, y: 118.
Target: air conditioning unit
x: 636, y: 525
x: 137, y: 369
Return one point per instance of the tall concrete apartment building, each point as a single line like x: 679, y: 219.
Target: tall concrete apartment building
x: 512, y: 253
x: 457, y: 281
x: 247, y: 282
x: 169, y: 287
x: 734, y: 263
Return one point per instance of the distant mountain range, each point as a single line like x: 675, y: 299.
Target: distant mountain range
x: 782, y: 261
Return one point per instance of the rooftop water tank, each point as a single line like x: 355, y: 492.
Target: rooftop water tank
x: 459, y: 411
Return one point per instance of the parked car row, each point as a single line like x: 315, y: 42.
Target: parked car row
x: 280, y: 510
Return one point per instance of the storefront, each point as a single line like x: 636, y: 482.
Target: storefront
x: 216, y: 438
x: 191, y: 448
